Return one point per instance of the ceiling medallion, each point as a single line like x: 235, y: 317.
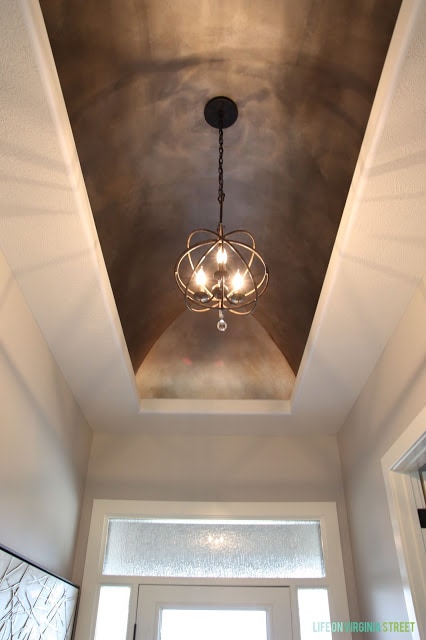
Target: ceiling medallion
x: 219, y: 270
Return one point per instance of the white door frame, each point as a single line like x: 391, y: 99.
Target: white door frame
x: 274, y: 600
x: 399, y: 465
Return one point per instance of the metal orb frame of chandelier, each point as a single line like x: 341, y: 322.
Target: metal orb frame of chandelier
x: 219, y: 270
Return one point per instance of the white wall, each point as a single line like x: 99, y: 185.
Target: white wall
x: 393, y: 396
x: 396, y: 389
x: 44, y: 441
x: 216, y: 468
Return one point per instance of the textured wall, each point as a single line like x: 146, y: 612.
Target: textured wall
x: 44, y: 441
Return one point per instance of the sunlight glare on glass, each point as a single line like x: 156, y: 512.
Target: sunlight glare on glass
x: 211, y: 624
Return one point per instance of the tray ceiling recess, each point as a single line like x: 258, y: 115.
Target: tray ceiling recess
x: 135, y: 79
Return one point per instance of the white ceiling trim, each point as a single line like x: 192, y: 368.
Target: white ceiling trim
x: 49, y: 240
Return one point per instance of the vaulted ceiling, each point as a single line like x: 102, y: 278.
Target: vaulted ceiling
x: 135, y: 78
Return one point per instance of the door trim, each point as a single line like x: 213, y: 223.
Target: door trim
x: 398, y: 465
x: 275, y: 600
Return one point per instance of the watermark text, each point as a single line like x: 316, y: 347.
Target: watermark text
x: 364, y: 626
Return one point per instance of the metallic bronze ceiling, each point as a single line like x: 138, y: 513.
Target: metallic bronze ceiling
x: 136, y: 77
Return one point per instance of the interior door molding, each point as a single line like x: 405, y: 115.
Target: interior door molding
x: 398, y: 465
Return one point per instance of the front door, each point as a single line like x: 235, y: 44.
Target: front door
x: 177, y: 612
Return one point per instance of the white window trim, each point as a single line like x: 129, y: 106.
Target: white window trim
x: 398, y: 465
x: 102, y: 510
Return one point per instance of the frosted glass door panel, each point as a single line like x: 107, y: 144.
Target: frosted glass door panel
x: 214, y: 549
x: 213, y: 613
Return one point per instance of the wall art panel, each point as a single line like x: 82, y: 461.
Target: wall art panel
x: 34, y: 604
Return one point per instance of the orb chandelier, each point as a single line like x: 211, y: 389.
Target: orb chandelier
x: 221, y: 271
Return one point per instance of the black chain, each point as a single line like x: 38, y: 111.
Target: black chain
x: 221, y: 194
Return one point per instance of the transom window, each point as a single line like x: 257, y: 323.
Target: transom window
x: 194, y: 548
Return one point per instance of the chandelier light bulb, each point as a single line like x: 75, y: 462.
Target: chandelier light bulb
x: 201, y: 278
x: 237, y: 281
x: 222, y: 256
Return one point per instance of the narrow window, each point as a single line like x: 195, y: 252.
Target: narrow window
x: 314, y: 614
x: 113, y: 612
